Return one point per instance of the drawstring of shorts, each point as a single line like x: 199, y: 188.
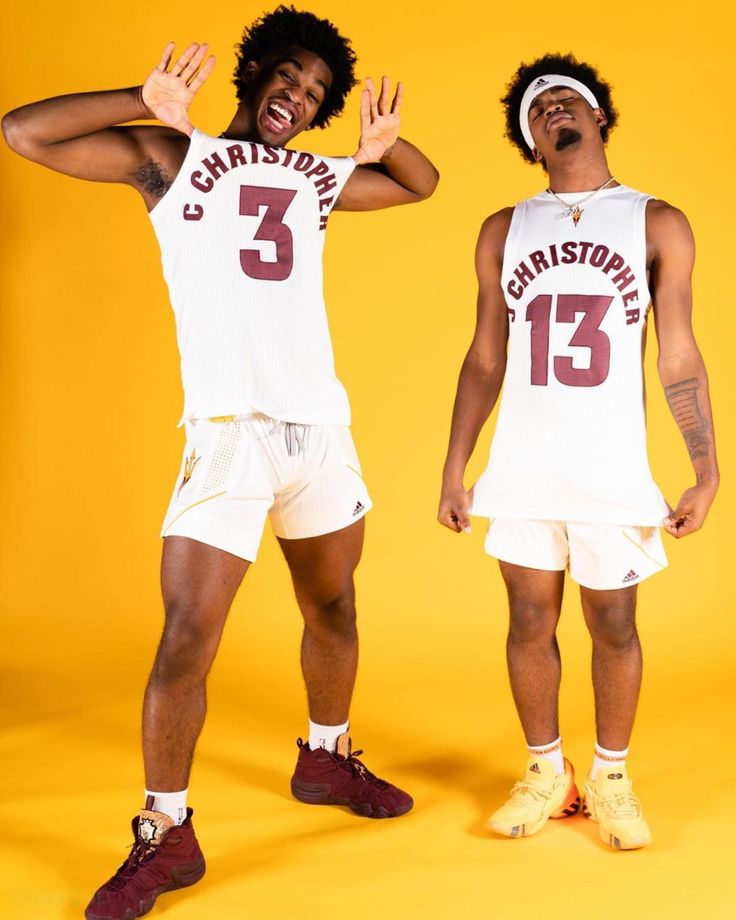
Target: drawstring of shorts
x: 294, y: 438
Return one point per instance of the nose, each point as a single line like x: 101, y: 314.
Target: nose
x: 552, y: 108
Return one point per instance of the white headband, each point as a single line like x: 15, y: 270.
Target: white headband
x: 538, y: 86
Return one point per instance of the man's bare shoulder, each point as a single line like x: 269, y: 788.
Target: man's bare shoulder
x: 493, y: 233
x: 667, y: 226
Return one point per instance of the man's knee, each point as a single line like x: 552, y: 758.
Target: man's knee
x: 333, y: 612
x: 531, y: 622
x: 188, y: 643
x: 612, y: 625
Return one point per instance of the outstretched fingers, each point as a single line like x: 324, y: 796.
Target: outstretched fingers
x: 372, y: 98
x: 199, y: 78
x: 365, y: 111
x: 163, y: 64
x: 398, y: 98
x: 184, y: 59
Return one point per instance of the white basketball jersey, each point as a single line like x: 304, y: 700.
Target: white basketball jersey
x: 241, y: 232
x: 570, y: 441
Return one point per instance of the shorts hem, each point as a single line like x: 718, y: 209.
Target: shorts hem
x: 618, y: 585
x: 324, y: 529
x: 217, y: 541
x: 525, y: 565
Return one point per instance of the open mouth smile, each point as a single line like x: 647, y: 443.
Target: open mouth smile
x: 279, y: 116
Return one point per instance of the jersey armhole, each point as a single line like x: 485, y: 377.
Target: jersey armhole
x: 194, y: 145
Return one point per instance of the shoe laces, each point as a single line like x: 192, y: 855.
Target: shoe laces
x: 522, y: 791
x: 359, y: 769
x: 141, y: 852
x: 622, y: 805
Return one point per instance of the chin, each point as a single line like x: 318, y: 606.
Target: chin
x: 566, y: 138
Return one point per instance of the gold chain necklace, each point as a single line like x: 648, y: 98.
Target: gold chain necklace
x: 574, y: 210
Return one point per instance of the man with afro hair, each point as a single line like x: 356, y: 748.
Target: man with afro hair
x: 240, y: 220
x: 566, y: 281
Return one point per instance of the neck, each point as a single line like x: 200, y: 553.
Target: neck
x: 242, y: 126
x: 577, y: 172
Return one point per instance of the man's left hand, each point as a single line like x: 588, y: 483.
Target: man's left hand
x: 691, y: 510
x: 379, y: 122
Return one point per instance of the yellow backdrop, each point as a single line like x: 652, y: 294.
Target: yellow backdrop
x: 90, y: 397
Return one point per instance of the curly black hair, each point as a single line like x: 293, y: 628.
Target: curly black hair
x: 564, y: 64
x: 286, y: 27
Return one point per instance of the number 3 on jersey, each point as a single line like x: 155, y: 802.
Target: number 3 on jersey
x: 271, y: 228
x: 587, y: 335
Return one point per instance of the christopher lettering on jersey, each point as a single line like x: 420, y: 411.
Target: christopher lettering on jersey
x: 216, y: 166
x: 583, y: 253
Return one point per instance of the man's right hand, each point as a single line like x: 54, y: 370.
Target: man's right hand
x: 167, y: 94
x: 454, y: 507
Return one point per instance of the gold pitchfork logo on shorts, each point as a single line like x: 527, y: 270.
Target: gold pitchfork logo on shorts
x: 189, y: 464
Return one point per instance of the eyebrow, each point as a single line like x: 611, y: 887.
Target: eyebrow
x: 300, y: 67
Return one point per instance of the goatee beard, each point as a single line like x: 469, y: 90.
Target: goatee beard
x: 566, y: 138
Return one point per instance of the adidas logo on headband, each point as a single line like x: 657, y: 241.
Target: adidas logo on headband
x: 540, y: 82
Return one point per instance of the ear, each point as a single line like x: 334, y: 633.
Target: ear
x: 249, y: 72
x: 600, y: 117
x: 536, y: 154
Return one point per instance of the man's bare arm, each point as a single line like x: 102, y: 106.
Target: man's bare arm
x: 680, y: 364
x: 81, y: 134
x: 390, y: 170
x: 482, y: 373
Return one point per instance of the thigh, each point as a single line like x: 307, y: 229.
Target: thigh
x: 607, y: 557
x: 198, y: 583
x: 609, y: 614
x: 535, y: 595
x: 322, y: 567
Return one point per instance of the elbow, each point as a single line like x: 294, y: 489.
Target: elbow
x: 431, y: 184
x: 14, y: 132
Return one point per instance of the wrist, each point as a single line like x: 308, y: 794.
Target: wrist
x: 453, y: 476
x: 145, y: 111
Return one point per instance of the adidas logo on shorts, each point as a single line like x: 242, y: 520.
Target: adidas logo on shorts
x: 358, y: 508
x: 630, y: 576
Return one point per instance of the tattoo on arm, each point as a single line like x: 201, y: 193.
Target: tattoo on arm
x: 683, y: 401
x: 152, y: 179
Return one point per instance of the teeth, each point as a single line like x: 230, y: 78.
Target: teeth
x: 284, y: 113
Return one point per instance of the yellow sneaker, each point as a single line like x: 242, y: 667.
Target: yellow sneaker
x: 537, y: 797
x: 610, y: 801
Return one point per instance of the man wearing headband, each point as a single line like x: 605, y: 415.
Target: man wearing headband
x: 566, y: 280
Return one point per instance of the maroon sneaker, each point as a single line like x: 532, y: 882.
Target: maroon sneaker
x: 164, y: 856
x: 322, y: 778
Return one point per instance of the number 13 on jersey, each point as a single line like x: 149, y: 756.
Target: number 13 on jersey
x: 587, y: 335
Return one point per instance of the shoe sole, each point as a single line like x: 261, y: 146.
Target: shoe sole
x: 183, y: 878
x: 320, y: 794
x: 569, y: 807
x: 610, y: 839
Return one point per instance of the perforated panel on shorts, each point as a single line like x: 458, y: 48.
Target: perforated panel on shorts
x: 222, y: 458
x: 348, y: 447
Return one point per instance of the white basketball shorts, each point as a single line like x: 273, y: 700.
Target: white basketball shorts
x: 237, y: 471
x: 599, y: 556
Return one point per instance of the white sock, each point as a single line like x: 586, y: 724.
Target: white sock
x: 325, y: 736
x: 602, y: 757
x: 173, y: 804
x: 551, y: 752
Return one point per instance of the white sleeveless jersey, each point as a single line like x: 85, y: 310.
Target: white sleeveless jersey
x: 570, y: 441
x: 241, y: 232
